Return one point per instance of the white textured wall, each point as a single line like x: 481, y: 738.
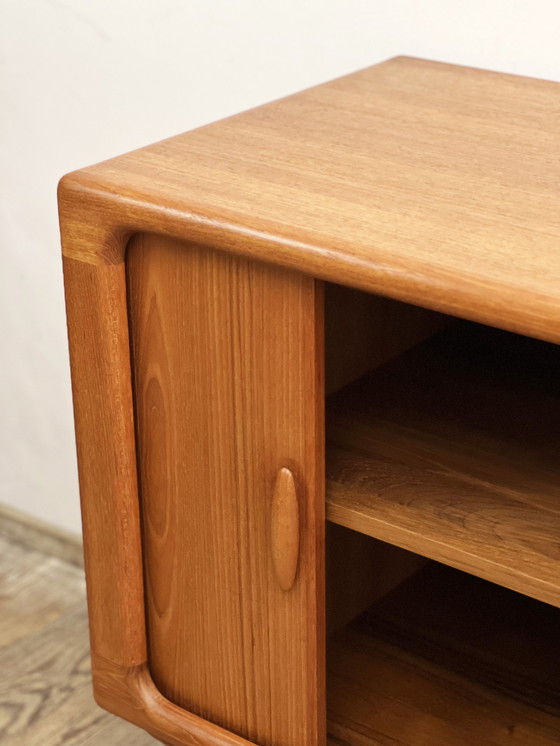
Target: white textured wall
x: 82, y: 80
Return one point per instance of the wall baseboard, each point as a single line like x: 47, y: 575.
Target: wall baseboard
x: 41, y: 536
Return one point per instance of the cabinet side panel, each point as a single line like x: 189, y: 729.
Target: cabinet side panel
x: 227, y: 368
x: 100, y: 358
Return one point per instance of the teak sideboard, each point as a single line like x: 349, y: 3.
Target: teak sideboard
x: 317, y: 399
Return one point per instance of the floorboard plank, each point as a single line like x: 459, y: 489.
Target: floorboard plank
x: 45, y: 676
x: 34, y: 590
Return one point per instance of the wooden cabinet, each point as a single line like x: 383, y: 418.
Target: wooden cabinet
x: 337, y: 311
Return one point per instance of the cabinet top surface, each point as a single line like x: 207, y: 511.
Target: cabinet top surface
x: 432, y: 183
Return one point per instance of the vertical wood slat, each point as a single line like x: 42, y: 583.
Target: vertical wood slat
x: 103, y: 409
x: 227, y: 369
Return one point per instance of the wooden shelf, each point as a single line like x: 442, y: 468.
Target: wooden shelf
x: 447, y: 660
x: 452, y: 451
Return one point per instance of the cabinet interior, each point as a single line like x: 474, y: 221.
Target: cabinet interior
x: 442, y: 442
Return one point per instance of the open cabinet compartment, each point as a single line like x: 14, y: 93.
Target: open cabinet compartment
x: 448, y: 448
x: 446, y: 659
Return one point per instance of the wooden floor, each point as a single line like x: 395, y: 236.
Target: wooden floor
x: 45, y: 686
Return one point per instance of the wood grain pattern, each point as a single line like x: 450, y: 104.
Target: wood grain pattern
x: 45, y: 686
x: 225, y: 359
x: 30, y: 597
x: 447, y: 660
x: 40, y: 689
x: 129, y: 691
x: 284, y: 529
x: 452, y: 451
x: 78, y: 721
x: 101, y: 382
x: 430, y: 183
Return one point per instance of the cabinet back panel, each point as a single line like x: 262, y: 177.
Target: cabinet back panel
x: 363, y: 331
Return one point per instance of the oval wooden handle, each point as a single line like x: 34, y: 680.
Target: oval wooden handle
x: 284, y: 529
